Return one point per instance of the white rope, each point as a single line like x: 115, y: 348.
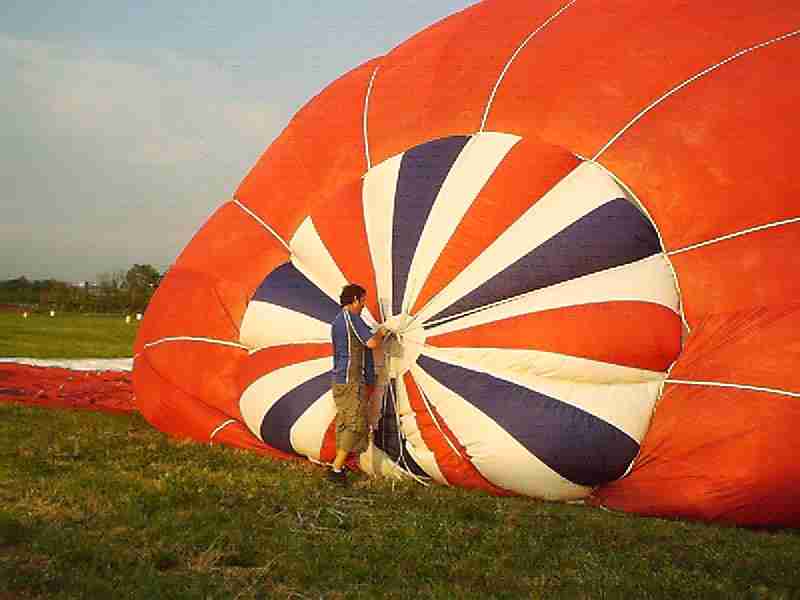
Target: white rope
x: 366, y: 110
x: 734, y: 235
x: 401, y: 441
x: 514, y: 56
x: 436, y: 422
x: 738, y: 386
x: 263, y: 224
x: 683, y: 84
x: 220, y: 427
x: 184, y: 338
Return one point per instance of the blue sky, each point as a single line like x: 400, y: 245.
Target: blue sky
x: 125, y: 124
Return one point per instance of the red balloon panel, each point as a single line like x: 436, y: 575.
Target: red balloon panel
x: 715, y: 158
x: 340, y: 223
x: 184, y: 365
x: 438, y: 83
x: 716, y: 454
x: 751, y: 271
x: 634, y: 334
x: 583, y: 78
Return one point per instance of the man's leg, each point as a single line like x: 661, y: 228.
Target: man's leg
x: 337, y: 474
x: 350, y: 404
x: 338, y: 462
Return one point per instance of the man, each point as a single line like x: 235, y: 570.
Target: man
x: 353, y: 371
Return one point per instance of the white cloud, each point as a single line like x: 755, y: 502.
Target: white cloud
x: 164, y: 110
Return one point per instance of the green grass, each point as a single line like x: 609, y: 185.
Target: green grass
x: 95, y: 505
x: 67, y: 335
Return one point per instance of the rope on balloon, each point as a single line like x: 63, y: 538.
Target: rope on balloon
x: 366, y: 111
x: 401, y: 458
x: 519, y: 49
x: 736, y: 234
x: 220, y: 427
x: 426, y: 401
x: 436, y: 422
x: 263, y: 223
x: 686, y: 82
x: 738, y: 386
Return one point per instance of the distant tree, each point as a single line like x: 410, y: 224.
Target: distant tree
x: 59, y: 297
x: 17, y: 291
x: 140, y: 283
x: 109, y: 295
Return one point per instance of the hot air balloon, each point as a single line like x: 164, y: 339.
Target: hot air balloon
x: 581, y: 221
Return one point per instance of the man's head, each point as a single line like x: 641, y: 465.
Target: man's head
x: 353, y: 297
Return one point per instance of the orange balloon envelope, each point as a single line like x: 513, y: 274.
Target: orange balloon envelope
x: 580, y: 221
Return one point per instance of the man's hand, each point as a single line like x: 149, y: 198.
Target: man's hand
x: 394, y: 323
x: 377, y: 339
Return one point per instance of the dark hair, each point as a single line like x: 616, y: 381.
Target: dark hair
x: 351, y: 292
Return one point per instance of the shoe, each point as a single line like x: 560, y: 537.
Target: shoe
x: 339, y: 478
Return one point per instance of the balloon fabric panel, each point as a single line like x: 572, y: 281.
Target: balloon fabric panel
x: 288, y: 287
x: 579, y: 81
x: 716, y: 454
x: 451, y: 456
x: 217, y: 389
x: 562, y: 436
x: 611, y: 235
x: 422, y: 172
x: 340, y: 223
x: 635, y: 334
x: 278, y: 422
x: 755, y: 347
x: 449, y: 93
x: 510, y: 191
x: 744, y: 182
x: 741, y: 273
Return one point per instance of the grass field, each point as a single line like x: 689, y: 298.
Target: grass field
x: 66, y: 336
x: 97, y: 506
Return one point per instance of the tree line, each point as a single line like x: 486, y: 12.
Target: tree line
x: 115, y: 292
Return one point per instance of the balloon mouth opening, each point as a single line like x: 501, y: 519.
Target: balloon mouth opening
x: 404, y: 345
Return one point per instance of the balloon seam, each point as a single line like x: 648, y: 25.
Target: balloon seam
x: 186, y: 338
x: 739, y: 386
x: 686, y: 82
x: 263, y: 224
x: 366, y: 110
x: 227, y: 312
x: 734, y: 235
x: 514, y: 56
x: 220, y: 427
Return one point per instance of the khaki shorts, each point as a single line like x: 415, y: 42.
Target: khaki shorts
x: 352, y: 433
